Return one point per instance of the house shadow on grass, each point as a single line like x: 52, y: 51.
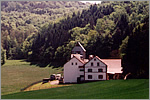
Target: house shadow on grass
x: 56, y: 64
x: 42, y: 65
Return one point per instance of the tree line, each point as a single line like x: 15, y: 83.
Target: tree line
x: 19, y: 19
x: 116, y: 29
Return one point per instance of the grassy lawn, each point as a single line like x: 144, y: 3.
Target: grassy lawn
x: 111, y: 89
x: 17, y: 74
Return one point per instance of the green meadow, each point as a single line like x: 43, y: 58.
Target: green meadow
x: 17, y: 74
x: 111, y: 89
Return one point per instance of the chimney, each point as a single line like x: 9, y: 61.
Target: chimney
x: 91, y: 56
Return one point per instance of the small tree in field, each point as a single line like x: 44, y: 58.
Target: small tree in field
x: 3, y: 56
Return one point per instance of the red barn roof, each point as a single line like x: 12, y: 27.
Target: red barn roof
x: 113, y: 65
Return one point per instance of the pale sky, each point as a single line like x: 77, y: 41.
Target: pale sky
x: 92, y: 2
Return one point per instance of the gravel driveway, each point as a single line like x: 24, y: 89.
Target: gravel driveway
x: 55, y: 82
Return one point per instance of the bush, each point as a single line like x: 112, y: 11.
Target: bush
x: 3, y: 56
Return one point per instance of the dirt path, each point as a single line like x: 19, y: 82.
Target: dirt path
x: 50, y: 84
x: 55, y: 82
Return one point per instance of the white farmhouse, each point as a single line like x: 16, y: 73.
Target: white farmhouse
x: 72, y: 70
x: 79, y: 69
x: 95, y: 69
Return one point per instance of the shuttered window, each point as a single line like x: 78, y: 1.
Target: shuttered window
x: 91, y: 63
x: 100, y: 76
x: 89, y: 76
x: 81, y: 75
x: 81, y: 69
x: 100, y: 70
x: 89, y: 70
x: 97, y: 63
x: 76, y: 63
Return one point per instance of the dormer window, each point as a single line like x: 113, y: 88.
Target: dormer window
x: 95, y: 59
x: 72, y: 63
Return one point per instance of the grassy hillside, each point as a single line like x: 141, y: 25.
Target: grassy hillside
x: 17, y: 74
x: 112, y: 89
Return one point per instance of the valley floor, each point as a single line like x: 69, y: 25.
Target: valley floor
x: 17, y: 74
x: 111, y: 89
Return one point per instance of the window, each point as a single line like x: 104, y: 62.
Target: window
x: 95, y: 59
x: 91, y: 64
x: 81, y: 75
x: 76, y: 63
x: 73, y: 52
x: 72, y: 63
x: 89, y: 76
x: 81, y: 69
x: 78, y: 52
x: 100, y: 76
x: 100, y: 70
x: 89, y: 70
x: 98, y: 64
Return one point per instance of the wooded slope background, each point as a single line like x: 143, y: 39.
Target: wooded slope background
x: 46, y: 32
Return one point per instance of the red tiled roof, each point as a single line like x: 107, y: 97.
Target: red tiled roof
x: 93, y: 58
x: 113, y: 65
x: 100, y: 60
x: 83, y: 62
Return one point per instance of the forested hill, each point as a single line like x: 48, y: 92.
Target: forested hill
x: 19, y: 19
x: 116, y: 29
x: 41, y: 7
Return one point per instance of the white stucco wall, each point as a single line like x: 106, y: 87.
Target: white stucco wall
x: 95, y: 68
x: 71, y: 72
